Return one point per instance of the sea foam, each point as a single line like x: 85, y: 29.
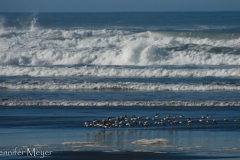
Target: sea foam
x: 151, y: 142
x: 119, y: 86
x: 41, y: 47
x: 116, y: 103
x: 113, y: 71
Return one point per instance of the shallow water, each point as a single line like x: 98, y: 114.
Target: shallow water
x: 62, y: 129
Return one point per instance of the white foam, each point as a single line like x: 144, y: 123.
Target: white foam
x: 151, y: 142
x: 228, y: 149
x: 40, y: 145
x: 185, y: 148
x: 33, y: 26
x: 104, y: 71
x: 119, y: 86
x: 117, y: 103
x: 110, y: 47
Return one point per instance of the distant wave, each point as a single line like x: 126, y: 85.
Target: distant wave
x: 113, y: 71
x: 188, y: 33
x: 5, y: 102
x: 120, y: 86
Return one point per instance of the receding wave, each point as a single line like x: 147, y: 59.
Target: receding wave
x: 120, y: 86
x: 111, y: 71
x: 117, y: 103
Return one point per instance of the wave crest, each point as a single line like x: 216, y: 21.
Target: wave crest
x: 112, y: 71
x: 117, y: 103
x: 119, y: 86
x: 41, y: 47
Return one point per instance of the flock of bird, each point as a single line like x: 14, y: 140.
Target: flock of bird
x: 122, y: 121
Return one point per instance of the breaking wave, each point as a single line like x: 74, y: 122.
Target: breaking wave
x: 43, y: 46
x: 113, y: 71
x: 37, y: 46
x: 116, y: 103
x: 120, y: 86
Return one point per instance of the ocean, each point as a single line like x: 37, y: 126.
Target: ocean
x: 60, y: 70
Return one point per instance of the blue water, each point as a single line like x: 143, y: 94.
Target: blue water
x: 66, y: 57
x: 57, y: 67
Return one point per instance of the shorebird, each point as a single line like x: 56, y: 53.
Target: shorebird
x: 215, y: 121
x: 189, y: 120
x: 86, y: 124
x: 225, y: 119
x: 146, y: 123
x: 109, y: 118
x: 174, y: 116
x: 129, y: 124
x: 132, y: 121
x: 162, y: 123
x: 139, y: 118
x: 176, y: 122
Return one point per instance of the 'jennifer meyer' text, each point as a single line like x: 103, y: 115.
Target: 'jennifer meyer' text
x: 28, y: 152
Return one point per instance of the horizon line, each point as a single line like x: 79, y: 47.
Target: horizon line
x: 109, y: 11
